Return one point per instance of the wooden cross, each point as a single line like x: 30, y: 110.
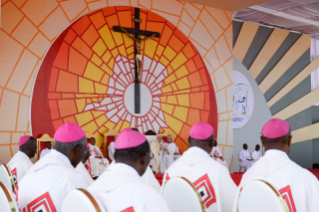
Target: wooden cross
x: 138, y: 56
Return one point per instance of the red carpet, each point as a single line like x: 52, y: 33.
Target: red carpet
x: 237, y: 176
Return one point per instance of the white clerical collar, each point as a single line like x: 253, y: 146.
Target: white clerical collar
x: 23, y: 155
x: 59, y: 154
x: 127, y: 167
x: 276, y: 152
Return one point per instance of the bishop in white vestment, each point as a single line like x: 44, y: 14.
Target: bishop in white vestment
x: 120, y: 188
x: 245, y: 159
x: 210, y: 178
x: 217, y: 155
x: 111, y: 150
x: 46, y: 150
x: 255, y: 155
x: 82, y: 169
x: 156, y: 151
x: 299, y: 187
x: 51, y: 178
x: 98, y: 162
x: 171, y: 153
x: 21, y: 163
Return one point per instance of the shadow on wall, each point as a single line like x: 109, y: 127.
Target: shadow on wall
x: 250, y: 133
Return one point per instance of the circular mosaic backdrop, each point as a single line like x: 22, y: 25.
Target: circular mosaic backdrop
x: 87, y: 78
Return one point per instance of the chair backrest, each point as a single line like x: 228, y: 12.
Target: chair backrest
x: 7, y: 202
x: 80, y: 200
x: 261, y: 196
x: 6, y: 178
x: 181, y: 195
x: 44, y: 138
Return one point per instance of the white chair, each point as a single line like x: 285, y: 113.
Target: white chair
x: 7, y: 202
x: 6, y: 178
x: 181, y: 195
x: 261, y: 196
x: 80, y: 200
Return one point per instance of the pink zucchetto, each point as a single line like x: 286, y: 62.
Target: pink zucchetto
x: 68, y: 133
x: 275, y: 128
x: 129, y: 138
x: 24, y: 139
x: 201, y: 131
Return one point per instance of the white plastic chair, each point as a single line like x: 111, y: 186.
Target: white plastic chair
x: 80, y: 200
x: 261, y: 196
x: 7, y: 202
x: 6, y: 178
x: 181, y: 195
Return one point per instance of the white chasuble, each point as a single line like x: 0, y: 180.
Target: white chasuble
x: 19, y: 166
x: 47, y: 183
x: 255, y: 155
x: 148, y: 177
x: 155, y: 149
x: 210, y: 178
x: 84, y: 172
x: 244, y: 162
x: 120, y: 189
x: 98, y: 165
x: 216, y: 152
x: 44, y: 152
x: 298, y: 187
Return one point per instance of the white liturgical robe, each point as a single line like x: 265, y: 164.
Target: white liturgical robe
x: 169, y: 155
x: 243, y: 155
x: 216, y: 151
x: 111, y: 150
x: 211, y: 179
x: 120, y: 188
x: 155, y: 149
x: 44, y: 152
x: 255, y: 155
x: 148, y: 177
x: 19, y: 166
x: 298, y: 187
x: 98, y: 165
x: 84, y: 172
x: 48, y: 182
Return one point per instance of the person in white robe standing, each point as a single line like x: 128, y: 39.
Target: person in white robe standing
x: 51, y: 178
x: 255, y: 155
x: 209, y: 177
x: 121, y: 187
x: 21, y: 163
x: 111, y: 149
x: 245, y: 159
x: 98, y: 162
x: 298, y: 187
x: 82, y: 169
x: 156, y: 151
x: 171, y: 153
x: 46, y: 150
x: 217, y: 155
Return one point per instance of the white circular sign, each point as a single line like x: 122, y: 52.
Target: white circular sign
x: 243, y: 100
x: 146, y: 99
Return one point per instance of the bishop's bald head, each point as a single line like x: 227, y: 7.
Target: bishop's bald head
x: 28, y: 145
x: 276, y: 134
x: 202, y: 135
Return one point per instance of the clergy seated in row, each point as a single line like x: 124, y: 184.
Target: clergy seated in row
x: 298, y: 186
x: 47, y: 149
x: 198, y: 167
x: 121, y: 187
x: 98, y: 162
x: 21, y: 163
x: 245, y: 159
x: 169, y: 153
x: 217, y: 154
x: 156, y: 152
x: 83, y: 169
x: 51, y: 178
x: 255, y: 155
x: 111, y: 149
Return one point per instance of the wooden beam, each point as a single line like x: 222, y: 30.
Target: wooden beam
x: 137, y: 32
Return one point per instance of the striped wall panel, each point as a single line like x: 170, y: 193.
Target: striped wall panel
x: 279, y: 61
